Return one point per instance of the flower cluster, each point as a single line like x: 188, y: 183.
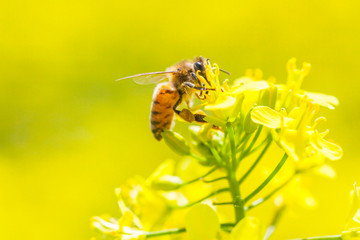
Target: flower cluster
x: 205, y: 195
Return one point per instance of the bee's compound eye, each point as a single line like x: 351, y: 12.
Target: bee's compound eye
x: 198, y: 66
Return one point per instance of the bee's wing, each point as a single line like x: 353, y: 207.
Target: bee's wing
x: 149, y: 78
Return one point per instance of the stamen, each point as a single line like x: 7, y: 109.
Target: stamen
x: 202, y: 79
x: 323, y: 134
x: 226, y: 86
x: 317, y: 121
x: 291, y: 66
x: 305, y: 69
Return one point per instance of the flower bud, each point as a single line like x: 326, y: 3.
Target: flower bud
x: 249, y: 125
x: 176, y: 142
x: 269, y: 96
x: 205, y: 152
x: 264, y: 97
x: 167, y: 183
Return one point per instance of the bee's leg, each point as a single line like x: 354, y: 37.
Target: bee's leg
x: 195, y: 77
x: 177, y: 104
x: 199, y: 117
x: 185, y: 113
x: 200, y: 97
x: 192, y: 85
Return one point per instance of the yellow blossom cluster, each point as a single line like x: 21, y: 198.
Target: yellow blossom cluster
x: 201, y: 197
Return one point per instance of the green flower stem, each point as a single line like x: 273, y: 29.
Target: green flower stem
x: 222, y: 203
x: 233, y: 184
x: 223, y: 148
x: 268, y: 179
x: 204, y: 198
x: 262, y: 200
x: 196, y: 157
x: 214, y: 180
x: 256, y: 162
x: 243, y: 142
x: 241, y: 138
x: 230, y: 131
x: 179, y: 230
x: 215, y: 154
x: 332, y: 237
x: 258, y: 146
x: 200, y: 178
x: 165, y: 232
x: 244, y: 153
x: 237, y: 200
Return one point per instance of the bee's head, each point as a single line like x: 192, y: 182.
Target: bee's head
x: 199, y: 65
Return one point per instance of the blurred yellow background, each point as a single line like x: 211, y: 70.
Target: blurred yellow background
x: 69, y: 134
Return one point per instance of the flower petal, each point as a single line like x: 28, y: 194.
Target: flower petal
x: 328, y: 149
x: 327, y: 171
x: 323, y: 99
x: 248, y: 228
x: 222, y: 102
x: 266, y: 116
x: 202, y: 223
x: 355, y: 205
x: 245, y: 84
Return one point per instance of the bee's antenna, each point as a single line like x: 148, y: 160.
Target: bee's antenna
x: 222, y: 70
x: 228, y: 73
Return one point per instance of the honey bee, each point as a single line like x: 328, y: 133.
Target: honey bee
x: 182, y: 85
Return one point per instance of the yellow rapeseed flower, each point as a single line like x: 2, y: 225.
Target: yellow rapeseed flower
x: 352, y: 226
x: 128, y: 227
x: 201, y: 197
x: 292, y: 91
x: 298, y: 135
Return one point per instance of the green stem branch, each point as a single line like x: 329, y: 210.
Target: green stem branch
x: 204, y: 198
x: 243, y: 142
x: 256, y: 162
x: 262, y: 200
x: 178, y: 231
x: 214, y: 180
x: 222, y: 203
x: 332, y: 237
x: 268, y: 179
x: 258, y: 146
x: 232, y: 146
x: 257, y: 134
x: 201, y: 177
x: 165, y: 232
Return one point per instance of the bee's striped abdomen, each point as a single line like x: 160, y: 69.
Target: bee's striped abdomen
x: 162, y: 113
